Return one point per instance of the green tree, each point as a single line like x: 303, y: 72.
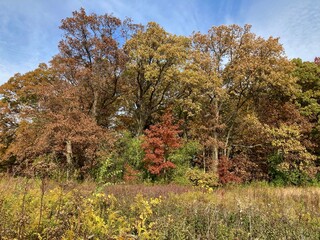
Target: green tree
x: 292, y: 161
x: 308, y: 75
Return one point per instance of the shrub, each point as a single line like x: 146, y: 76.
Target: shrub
x: 224, y: 171
x: 202, y: 179
x: 30, y: 209
x: 283, y: 174
x: 183, y: 158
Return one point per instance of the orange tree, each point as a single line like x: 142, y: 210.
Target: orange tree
x: 160, y: 140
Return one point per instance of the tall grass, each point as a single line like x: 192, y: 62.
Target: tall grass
x: 41, y: 209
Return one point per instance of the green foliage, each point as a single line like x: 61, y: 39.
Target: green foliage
x: 308, y: 74
x: 292, y: 163
x: 184, y: 155
x: 131, y: 151
x: 183, y: 158
x: 128, y: 155
x: 280, y: 174
x: 107, y: 172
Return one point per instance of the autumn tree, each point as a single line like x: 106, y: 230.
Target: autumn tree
x: 307, y: 99
x: 20, y: 102
x: 153, y: 73
x: 254, y: 112
x: 92, y: 60
x: 42, y: 121
x: 160, y: 140
x: 308, y: 75
x: 234, y: 68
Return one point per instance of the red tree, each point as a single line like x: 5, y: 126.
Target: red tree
x: 159, y: 142
x: 225, y: 175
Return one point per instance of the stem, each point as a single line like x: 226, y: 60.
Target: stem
x: 42, y: 188
x: 22, y: 216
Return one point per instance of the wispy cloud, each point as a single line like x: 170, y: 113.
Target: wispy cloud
x: 29, y: 31
x: 25, y: 36
x: 178, y: 16
x: 296, y: 22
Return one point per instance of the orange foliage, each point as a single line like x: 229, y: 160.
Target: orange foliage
x: 160, y: 140
x: 225, y: 174
x: 130, y: 174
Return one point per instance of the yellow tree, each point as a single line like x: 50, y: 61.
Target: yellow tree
x: 156, y: 60
x: 291, y: 159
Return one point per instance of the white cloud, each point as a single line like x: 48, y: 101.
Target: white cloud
x: 296, y: 22
x: 29, y: 31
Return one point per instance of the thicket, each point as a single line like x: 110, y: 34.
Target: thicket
x: 123, y: 102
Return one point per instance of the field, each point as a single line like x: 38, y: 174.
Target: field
x: 39, y: 209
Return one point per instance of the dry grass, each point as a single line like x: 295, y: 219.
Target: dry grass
x: 31, y: 210
x: 148, y: 191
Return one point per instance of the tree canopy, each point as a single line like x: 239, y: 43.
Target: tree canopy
x: 239, y: 108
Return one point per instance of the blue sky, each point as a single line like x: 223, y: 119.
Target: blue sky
x: 29, y: 29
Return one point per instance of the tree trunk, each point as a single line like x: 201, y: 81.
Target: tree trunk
x: 69, y: 152
x: 140, y: 127
x: 69, y: 156
x: 215, y: 153
x: 94, y: 110
x: 204, y: 160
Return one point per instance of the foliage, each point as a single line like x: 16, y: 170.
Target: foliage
x: 106, y: 172
x: 308, y: 74
x: 153, y: 73
x: 225, y: 172
x: 230, y: 69
x: 184, y: 158
x: 202, y: 179
x: 160, y: 140
x: 91, y: 60
x: 292, y: 162
x: 131, y: 151
x: 99, y: 108
x: 127, y: 157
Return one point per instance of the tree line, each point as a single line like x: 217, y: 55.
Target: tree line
x: 133, y: 102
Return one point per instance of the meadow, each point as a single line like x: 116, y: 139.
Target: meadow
x: 45, y: 209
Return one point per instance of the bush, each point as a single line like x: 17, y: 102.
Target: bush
x: 224, y: 171
x: 107, y: 172
x: 281, y: 174
x: 202, y: 179
x: 183, y: 158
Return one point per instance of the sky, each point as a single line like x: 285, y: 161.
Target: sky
x: 29, y: 29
